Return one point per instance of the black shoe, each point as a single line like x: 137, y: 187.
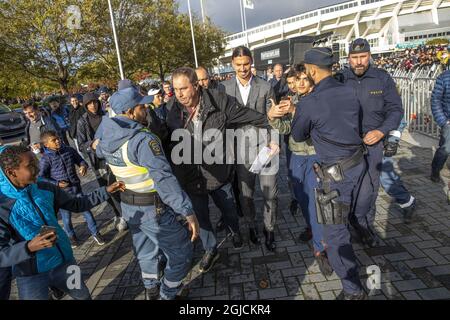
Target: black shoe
x: 56, y: 294
x: 152, y: 293
x: 237, y: 241
x: 293, y: 207
x: 74, y: 242
x: 324, y: 264
x: 346, y: 296
x: 408, y: 212
x: 208, y: 260
x: 253, y: 236
x: 435, y: 178
x: 270, y: 240
x: 366, y: 236
x: 306, y: 235
x: 220, y: 226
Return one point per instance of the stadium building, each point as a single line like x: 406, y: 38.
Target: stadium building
x: 387, y: 25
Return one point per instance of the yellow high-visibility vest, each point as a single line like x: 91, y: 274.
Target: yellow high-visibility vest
x: 136, y: 178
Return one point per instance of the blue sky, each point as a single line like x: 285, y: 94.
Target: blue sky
x: 226, y: 14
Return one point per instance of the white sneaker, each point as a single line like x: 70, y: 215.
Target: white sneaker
x: 121, y: 224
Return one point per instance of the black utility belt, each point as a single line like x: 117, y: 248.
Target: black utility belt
x: 335, y: 172
x: 141, y: 199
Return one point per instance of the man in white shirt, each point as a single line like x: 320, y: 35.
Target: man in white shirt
x: 255, y: 93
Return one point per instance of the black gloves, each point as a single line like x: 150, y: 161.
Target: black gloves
x: 390, y: 149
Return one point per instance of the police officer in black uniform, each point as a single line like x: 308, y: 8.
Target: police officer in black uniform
x: 382, y: 113
x: 330, y: 115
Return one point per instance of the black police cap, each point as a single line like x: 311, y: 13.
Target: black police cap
x: 359, y: 45
x: 320, y: 56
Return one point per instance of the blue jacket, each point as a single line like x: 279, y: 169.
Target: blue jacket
x: 379, y: 98
x: 440, y: 99
x: 330, y: 115
x: 61, y: 117
x: 56, y: 166
x: 114, y: 132
x: 22, y: 214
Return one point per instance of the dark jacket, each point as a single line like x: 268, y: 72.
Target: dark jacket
x: 74, y: 116
x: 85, y: 137
x: 280, y: 87
x: 57, y: 166
x: 156, y: 120
x: 48, y: 124
x: 220, y: 112
x: 379, y: 98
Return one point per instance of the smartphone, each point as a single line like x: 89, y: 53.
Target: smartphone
x: 46, y: 229
x: 285, y: 98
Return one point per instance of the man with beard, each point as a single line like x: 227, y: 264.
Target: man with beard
x: 153, y: 197
x: 382, y: 113
x: 329, y: 116
x: 254, y: 93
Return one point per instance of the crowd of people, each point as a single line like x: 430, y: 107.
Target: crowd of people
x: 336, y: 162
x: 414, y: 58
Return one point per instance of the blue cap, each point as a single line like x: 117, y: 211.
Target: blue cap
x: 124, y: 83
x: 320, y: 56
x: 103, y: 90
x: 359, y: 45
x: 128, y: 98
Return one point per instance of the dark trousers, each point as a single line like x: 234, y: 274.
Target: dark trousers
x: 337, y: 237
x: 442, y: 153
x: 224, y: 200
x: 364, y: 210
x: 5, y: 283
x: 269, y: 188
x: 114, y: 200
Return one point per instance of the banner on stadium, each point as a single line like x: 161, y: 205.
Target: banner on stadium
x: 410, y: 44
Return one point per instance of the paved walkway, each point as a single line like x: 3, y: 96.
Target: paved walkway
x: 414, y: 259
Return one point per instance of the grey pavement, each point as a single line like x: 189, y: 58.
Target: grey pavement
x: 414, y: 258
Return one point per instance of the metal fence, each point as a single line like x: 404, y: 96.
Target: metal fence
x: 415, y: 88
x: 416, y: 97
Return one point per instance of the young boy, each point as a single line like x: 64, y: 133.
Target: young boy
x: 31, y: 240
x: 57, y: 166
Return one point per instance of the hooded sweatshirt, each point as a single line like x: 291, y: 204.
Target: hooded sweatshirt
x: 22, y: 214
x: 143, y: 150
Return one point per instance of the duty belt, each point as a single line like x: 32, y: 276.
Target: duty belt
x: 335, y: 172
x: 142, y: 199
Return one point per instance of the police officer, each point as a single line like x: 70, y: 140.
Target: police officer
x: 329, y: 115
x: 153, y: 196
x: 382, y: 113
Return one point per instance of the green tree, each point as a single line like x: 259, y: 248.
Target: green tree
x: 37, y: 39
x: 153, y: 37
x: 38, y: 42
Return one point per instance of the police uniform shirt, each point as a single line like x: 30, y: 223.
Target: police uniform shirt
x: 330, y: 116
x: 381, y: 103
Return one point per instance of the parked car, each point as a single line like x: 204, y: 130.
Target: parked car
x: 12, y: 123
